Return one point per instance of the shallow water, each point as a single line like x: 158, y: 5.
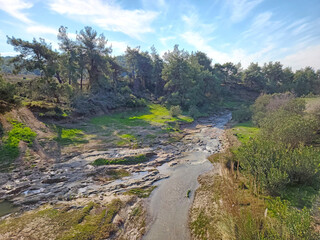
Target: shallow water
x: 7, y: 207
x: 169, y: 205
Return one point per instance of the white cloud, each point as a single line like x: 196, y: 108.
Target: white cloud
x: 235, y: 55
x: 118, y: 47
x: 107, y: 15
x: 309, y: 56
x: 11, y: 54
x: 39, y: 29
x: 241, y: 8
x: 15, y: 8
x: 164, y: 40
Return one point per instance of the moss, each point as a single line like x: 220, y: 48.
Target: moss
x: 123, y: 161
x: 9, y: 150
x: 141, y: 192
x: 67, y: 136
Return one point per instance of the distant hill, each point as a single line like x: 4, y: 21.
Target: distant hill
x: 7, y: 67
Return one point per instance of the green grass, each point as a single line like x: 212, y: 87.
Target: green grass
x: 9, y: 150
x: 116, y: 174
x: 67, y: 136
x: 123, y: 161
x: 154, y: 114
x: 245, y: 131
x: 141, y: 192
x: 94, y: 221
x: 127, y: 139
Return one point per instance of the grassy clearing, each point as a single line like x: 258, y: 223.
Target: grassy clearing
x: 155, y: 114
x: 67, y: 136
x: 123, y: 161
x: 9, y: 150
x: 245, y: 131
x: 91, y: 222
x: 141, y: 192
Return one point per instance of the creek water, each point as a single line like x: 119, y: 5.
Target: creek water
x: 170, y: 202
x: 7, y: 207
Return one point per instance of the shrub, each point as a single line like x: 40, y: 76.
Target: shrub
x: 242, y: 114
x: 274, y: 165
x: 7, y: 92
x: 194, y: 112
x: 175, y: 111
x: 267, y: 103
x: 290, y: 127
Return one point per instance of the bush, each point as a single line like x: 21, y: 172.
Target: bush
x: 243, y: 114
x: 7, y: 92
x: 274, y: 165
x: 266, y: 104
x: 290, y: 127
x: 194, y: 112
x: 175, y: 111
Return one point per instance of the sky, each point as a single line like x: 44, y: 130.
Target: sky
x: 235, y: 31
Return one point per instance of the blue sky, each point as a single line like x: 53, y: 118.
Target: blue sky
x: 227, y: 30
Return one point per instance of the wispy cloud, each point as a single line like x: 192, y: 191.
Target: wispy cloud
x: 305, y: 57
x: 15, y: 9
x: 108, y: 15
x: 241, y: 8
x: 118, y: 47
x: 164, y: 40
x: 39, y: 29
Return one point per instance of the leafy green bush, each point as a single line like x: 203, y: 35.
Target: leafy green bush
x: 274, y: 165
x: 266, y: 104
x: 242, y: 114
x: 290, y: 127
x: 193, y: 111
x: 292, y: 222
x: 175, y: 111
x: 7, y: 92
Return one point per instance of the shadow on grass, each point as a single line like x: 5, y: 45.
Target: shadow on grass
x: 154, y: 114
x: 67, y: 137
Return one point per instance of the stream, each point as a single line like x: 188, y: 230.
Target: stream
x: 170, y: 202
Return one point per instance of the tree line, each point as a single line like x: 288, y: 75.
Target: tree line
x: 84, y: 71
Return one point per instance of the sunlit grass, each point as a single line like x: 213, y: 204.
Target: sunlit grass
x: 155, y: 114
x: 67, y: 136
x: 245, y: 131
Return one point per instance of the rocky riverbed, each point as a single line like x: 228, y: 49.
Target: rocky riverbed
x: 76, y: 177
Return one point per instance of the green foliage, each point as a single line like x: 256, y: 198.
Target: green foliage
x: 294, y: 223
x: 266, y: 104
x: 126, y: 160
x: 289, y: 127
x: 155, y: 114
x: 9, y: 150
x: 242, y: 114
x: 141, y: 192
x: 175, y: 111
x: 69, y: 136
x: 7, y: 93
x: 194, y: 112
x: 116, y: 174
x: 275, y: 165
x: 245, y: 131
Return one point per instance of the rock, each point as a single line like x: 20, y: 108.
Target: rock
x: 172, y: 164
x: 117, y: 220
x: 54, y: 180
